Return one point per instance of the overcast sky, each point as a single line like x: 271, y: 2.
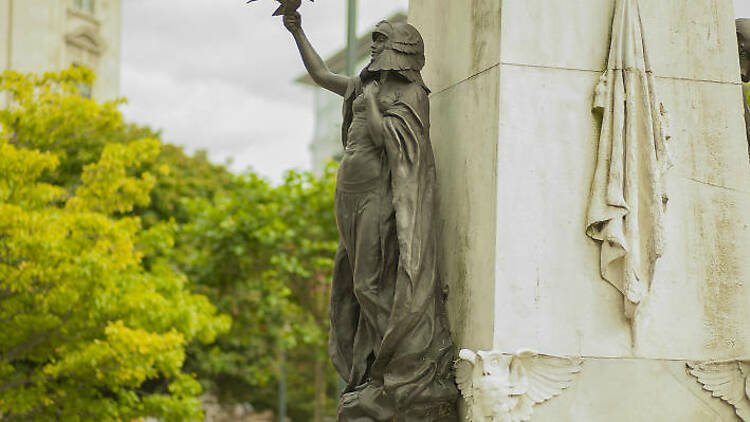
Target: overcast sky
x: 742, y: 8
x: 217, y: 74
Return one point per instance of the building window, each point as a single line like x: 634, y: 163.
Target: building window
x: 84, y: 5
x: 84, y: 90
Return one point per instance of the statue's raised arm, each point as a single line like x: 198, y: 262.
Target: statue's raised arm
x: 316, y: 67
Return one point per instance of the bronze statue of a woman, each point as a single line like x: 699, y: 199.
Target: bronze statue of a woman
x: 389, y: 335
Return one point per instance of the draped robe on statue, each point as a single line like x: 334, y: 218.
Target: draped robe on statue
x: 389, y: 334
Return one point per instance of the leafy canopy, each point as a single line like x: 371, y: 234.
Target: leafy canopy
x: 264, y: 254
x: 94, y: 321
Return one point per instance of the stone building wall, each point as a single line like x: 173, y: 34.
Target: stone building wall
x: 50, y: 35
x: 516, y: 139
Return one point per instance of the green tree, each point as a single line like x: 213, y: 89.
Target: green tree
x: 182, y: 178
x: 305, y: 263
x: 264, y: 255
x: 94, y: 321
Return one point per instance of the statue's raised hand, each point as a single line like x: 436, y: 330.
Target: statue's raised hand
x: 293, y: 22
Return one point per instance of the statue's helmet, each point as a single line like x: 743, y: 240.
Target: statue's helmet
x: 404, y: 48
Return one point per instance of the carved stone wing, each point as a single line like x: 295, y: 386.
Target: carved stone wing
x: 538, y: 378
x: 464, y: 372
x: 727, y: 381
x: 547, y: 376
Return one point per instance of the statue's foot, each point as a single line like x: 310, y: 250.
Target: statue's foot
x: 370, y: 403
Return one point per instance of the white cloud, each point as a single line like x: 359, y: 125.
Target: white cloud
x: 217, y: 116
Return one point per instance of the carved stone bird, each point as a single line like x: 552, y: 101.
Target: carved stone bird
x: 504, y: 388
x: 287, y: 7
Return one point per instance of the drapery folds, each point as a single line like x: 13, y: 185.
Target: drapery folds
x: 397, y: 363
x: 628, y: 196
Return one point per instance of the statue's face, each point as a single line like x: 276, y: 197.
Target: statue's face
x: 378, y: 45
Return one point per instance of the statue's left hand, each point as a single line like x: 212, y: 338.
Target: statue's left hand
x: 372, y: 90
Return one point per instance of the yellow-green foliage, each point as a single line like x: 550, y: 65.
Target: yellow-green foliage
x: 88, y: 331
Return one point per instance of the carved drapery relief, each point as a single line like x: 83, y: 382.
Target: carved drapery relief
x: 499, y: 387
x: 728, y: 381
x: 628, y: 196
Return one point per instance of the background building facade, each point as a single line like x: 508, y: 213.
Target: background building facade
x: 51, y: 35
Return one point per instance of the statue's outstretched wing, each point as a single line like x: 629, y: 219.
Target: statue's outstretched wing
x: 727, y: 381
x: 464, y: 372
x: 547, y: 376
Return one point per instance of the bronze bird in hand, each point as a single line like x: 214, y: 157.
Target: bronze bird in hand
x: 287, y: 7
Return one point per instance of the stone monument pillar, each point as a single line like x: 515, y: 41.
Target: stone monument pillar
x: 594, y: 206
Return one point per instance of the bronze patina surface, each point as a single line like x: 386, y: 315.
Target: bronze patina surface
x: 389, y: 335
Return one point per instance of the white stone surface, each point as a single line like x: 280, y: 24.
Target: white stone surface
x: 526, y: 97
x: 547, y: 274
x: 708, y: 130
x: 698, y: 306
x: 572, y: 34
x: 464, y: 134
x: 692, y: 40
x: 464, y: 39
x: 547, y: 270
x: 549, y: 294
x: 687, y: 39
x: 634, y: 390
